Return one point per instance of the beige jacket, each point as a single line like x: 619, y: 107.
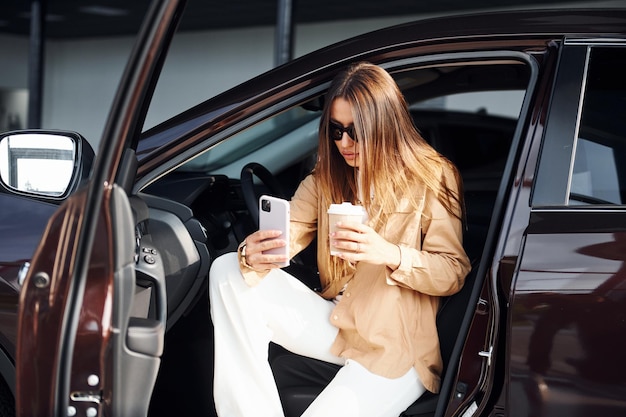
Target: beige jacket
x: 386, y: 318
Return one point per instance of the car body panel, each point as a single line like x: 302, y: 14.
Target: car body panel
x: 24, y: 220
x: 43, y: 305
x: 569, y: 316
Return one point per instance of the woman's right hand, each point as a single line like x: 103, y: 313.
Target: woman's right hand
x: 259, y: 242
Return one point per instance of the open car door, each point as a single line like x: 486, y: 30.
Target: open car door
x: 82, y: 349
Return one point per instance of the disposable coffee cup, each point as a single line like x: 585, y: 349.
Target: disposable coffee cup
x: 344, y: 212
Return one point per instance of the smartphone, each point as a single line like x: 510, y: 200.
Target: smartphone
x: 274, y: 215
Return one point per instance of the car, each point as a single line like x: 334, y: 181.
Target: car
x: 105, y: 257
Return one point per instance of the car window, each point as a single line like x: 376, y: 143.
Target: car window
x: 505, y: 103
x: 468, y: 112
x: 599, y: 169
x: 274, y: 142
x: 475, y: 129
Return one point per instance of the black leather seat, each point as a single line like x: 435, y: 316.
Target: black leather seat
x: 301, y: 379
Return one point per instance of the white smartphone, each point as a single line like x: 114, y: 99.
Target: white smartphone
x: 274, y: 215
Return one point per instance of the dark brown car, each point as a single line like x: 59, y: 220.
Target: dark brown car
x: 531, y: 106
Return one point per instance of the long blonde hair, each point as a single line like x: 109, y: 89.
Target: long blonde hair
x: 395, y: 160
x: 394, y: 155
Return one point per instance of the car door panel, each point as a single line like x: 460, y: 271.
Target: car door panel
x: 43, y: 302
x: 79, y: 291
x: 137, y: 341
x: 569, y: 312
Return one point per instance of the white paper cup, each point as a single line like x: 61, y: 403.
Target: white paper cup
x: 344, y: 212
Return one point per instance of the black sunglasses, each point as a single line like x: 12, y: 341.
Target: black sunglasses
x: 336, y: 131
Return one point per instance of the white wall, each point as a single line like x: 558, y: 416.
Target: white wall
x: 203, y: 64
x: 13, y: 62
x: 80, y: 81
x: 81, y: 76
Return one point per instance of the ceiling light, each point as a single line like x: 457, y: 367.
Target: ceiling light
x: 104, y: 11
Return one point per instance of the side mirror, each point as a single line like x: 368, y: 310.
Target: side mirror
x: 45, y: 164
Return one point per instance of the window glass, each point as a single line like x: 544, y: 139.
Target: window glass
x: 467, y: 112
x: 474, y: 129
x: 599, y: 171
x: 288, y: 136
x: 505, y: 103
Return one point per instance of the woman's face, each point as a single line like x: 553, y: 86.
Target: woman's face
x: 341, y: 114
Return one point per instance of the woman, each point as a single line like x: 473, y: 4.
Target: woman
x: 375, y: 315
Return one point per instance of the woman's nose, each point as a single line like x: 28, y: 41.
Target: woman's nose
x: 346, y: 140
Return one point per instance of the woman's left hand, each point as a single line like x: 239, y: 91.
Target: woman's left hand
x: 360, y: 243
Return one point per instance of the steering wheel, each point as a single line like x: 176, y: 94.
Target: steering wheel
x: 247, y: 187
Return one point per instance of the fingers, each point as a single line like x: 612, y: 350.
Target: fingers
x: 356, y: 242
x: 261, y: 241
x: 345, y: 239
x: 354, y: 226
x: 350, y: 246
x: 352, y: 232
x: 262, y: 235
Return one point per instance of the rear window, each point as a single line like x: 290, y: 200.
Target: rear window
x: 599, y: 170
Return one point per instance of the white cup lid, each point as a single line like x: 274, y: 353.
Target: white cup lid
x: 346, y: 209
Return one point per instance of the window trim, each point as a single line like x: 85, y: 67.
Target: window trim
x: 581, y: 101
x: 552, y: 177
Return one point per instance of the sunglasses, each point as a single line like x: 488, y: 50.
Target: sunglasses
x: 336, y: 131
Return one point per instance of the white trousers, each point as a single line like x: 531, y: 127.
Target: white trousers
x: 283, y: 310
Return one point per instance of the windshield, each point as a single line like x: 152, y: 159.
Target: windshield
x: 289, y: 136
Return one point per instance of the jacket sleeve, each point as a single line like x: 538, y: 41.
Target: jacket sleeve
x: 304, y: 212
x: 438, y: 264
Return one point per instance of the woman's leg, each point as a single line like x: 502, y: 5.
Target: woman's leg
x: 246, y: 319
x: 357, y: 392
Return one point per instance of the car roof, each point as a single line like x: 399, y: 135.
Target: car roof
x: 509, y: 26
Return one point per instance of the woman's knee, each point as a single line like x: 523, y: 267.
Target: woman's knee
x: 222, y: 268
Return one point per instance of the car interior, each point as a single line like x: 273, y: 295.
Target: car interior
x: 204, y: 208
